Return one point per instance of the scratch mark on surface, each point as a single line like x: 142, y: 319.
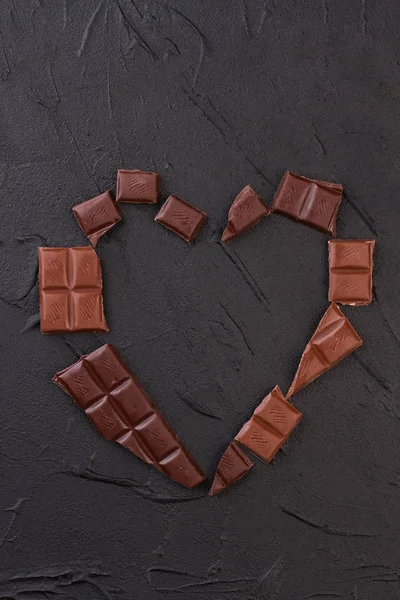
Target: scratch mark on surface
x: 385, y: 318
x: 325, y: 11
x: 175, y: 574
x: 193, y: 101
x: 18, y: 17
x: 322, y: 595
x: 5, y: 57
x: 65, y: 15
x: 111, y: 114
x: 238, y: 327
x: 54, y: 84
x: 138, y: 488
x: 371, y: 371
x: 263, y: 296
x: 366, y: 220
x: 318, y: 139
x: 245, y: 17
x: 86, y: 32
x: 31, y: 322
x: 174, y: 45
x: 251, y: 285
x: 263, y: 16
x: 142, y: 42
x: 15, y: 510
x: 324, y: 527
x: 269, y: 584
x: 137, y: 9
x: 194, y: 405
x: 363, y: 17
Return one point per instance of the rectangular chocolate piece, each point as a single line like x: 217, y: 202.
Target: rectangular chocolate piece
x: 121, y: 411
x: 233, y: 465
x: 350, y: 271
x: 270, y: 426
x: 333, y: 340
x: 70, y: 289
x: 315, y: 203
x: 181, y: 217
x: 246, y: 211
x: 97, y: 215
x: 137, y: 186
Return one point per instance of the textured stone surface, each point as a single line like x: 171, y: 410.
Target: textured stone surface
x: 214, y: 96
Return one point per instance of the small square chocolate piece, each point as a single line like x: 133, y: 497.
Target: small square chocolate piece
x: 181, y: 217
x: 70, y: 289
x: 315, y: 203
x: 270, y: 426
x: 350, y: 271
x: 97, y: 215
x: 137, y: 186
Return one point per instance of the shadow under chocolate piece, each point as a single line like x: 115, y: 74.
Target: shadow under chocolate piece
x: 350, y: 271
x: 333, y: 340
x: 315, y: 203
x: 70, y: 290
x: 270, y: 426
x: 121, y: 411
x: 233, y: 465
x: 246, y: 211
x: 137, y: 186
x: 97, y: 215
x: 181, y: 217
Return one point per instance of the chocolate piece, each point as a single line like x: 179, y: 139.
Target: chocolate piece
x: 270, y: 426
x: 333, y: 340
x: 313, y: 202
x: 233, y: 466
x: 350, y: 271
x: 247, y: 210
x: 181, y: 217
x: 96, y: 216
x: 137, y: 186
x: 70, y: 287
x: 121, y: 411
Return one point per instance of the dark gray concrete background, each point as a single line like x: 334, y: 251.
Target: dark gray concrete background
x: 213, y: 95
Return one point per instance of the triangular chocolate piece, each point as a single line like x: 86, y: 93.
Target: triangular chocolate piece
x: 333, y: 340
x: 233, y: 466
x: 247, y: 210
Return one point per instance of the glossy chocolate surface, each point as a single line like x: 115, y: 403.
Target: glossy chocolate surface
x: 350, y: 271
x: 70, y: 285
x: 97, y: 216
x: 121, y: 411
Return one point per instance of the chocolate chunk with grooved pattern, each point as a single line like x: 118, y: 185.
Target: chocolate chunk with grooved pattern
x: 137, y: 186
x: 121, y: 411
x: 246, y: 211
x: 97, y: 215
x: 333, y: 340
x: 270, y: 426
x: 233, y: 465
x: 350, y: 271
x: 181, y: 217
x: 315, y: 203
x: 70, y: 289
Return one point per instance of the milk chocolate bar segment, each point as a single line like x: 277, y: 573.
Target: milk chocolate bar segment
x: 350, y: 271
x: 137, y: 186
x: 246, y: 211
x: 181, y: 217
x: 97, y: 215
x: 233, y: 465
x: 333, y: 340
x: 315, y: 203
x: 270, y: 426
x: 70, y: 290
x: 121, y: 411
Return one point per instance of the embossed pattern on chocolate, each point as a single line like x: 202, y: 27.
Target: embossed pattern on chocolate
x: 315, y: 203
x: 121, y: 411
x: 350, y: 271
x: 333, y: 340
x: 181, y: 217
x: 97, y: 215
x: 270, y: 425
x: 137, y: 186
x: 70, y: 289
x: 246, y: 211
x: 233, y: 465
